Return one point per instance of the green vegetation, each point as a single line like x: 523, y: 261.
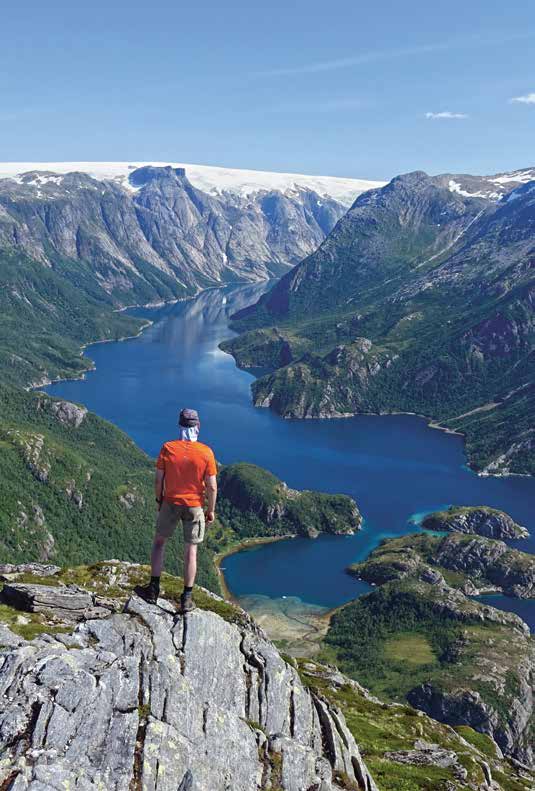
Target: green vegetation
x: 438, y: 342
x: 75, y: 495
x: 481, y: 741
x: 84, y: 494
x: 369, y: 638
x: 459, y: 557
x: 415, y: 649
x: 45, y: 317
x: 254, y: 502
x: 372, y: 639
x: 27, y: 625
x: 380, y: 729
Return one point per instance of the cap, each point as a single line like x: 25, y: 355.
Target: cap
x: 189, y: 418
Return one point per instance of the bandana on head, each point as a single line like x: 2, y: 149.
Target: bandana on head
x: 189, y: 434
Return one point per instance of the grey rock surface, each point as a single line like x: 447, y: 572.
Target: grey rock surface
x: 509, y: 570
x: 68, y: 603
x: 487, y: 522
x: 68, y: 413
x: 147, y: 699
x: 42, y: 569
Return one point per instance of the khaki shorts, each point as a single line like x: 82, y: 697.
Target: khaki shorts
x: 192, y: 519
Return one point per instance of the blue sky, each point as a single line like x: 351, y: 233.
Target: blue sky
x: 341, y: 88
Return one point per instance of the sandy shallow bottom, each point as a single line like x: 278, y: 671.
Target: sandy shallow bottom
x: 296, y: 627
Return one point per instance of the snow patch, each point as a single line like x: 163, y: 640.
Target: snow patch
x: 523, y: 176
x: 454, y: 186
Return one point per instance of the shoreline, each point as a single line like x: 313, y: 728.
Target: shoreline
x: 241, y: 546
x: 147, y: 323
x: 46, y: 382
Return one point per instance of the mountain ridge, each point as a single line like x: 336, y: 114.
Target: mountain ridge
x: 417, y: 292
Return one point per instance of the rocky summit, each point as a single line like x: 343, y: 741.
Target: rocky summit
x: 103, y: 691
x: 482, y: 521
x: 137, y: 697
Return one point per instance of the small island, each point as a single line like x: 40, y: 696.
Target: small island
x: 480, y: 520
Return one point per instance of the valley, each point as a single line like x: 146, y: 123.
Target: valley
x: 302, y: 501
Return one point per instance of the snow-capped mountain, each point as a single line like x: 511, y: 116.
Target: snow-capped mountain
x: 213, y: 180
x: 151, y: 231
x: 490, y: 187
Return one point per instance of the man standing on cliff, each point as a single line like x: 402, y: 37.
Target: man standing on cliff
x: 185, y: 475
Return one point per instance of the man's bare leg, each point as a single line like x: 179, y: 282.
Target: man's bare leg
x: 190, y: 564
x: 157, y: 555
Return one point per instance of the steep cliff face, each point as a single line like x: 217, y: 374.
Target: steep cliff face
x: 155, y: 235
x: 143, y: 698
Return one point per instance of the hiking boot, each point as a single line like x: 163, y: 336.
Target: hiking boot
x: 186, y: 603
x: 148, y: 593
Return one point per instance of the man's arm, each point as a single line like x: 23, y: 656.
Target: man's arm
x: 158, y: 484
x: 211, y: 496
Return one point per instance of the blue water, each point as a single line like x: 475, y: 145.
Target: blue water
x: 395, y: 467
x: 525, y: 608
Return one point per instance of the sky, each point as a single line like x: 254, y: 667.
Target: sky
x: 346, y: 88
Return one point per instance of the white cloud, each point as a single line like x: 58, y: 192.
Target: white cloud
x: 528, y: 98
x: 445, y: 114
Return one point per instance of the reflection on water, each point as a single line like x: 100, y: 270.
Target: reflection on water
x: 395, y: 467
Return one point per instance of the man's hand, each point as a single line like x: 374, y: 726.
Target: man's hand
x: 211, y: 497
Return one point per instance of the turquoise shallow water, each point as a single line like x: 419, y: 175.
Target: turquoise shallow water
x: 395, y: 467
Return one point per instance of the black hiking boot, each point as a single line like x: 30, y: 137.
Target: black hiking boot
x: 186, y: 603
x: 148, y: 593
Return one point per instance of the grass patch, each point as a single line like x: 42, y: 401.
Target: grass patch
x: 36, y: 623
x: 480, y: 741
x: 412, y: 648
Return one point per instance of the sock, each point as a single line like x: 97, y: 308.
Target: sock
x: 155, y: 582
x: 188, y: 590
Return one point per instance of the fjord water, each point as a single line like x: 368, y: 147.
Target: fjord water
x: 396, y: 467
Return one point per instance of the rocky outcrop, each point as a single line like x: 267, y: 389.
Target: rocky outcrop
x: 480, y: 564
x: 147, y: 699
x: 40, y: 569
x: 509, y: 570
x: 482, y: 521
x: 468, y: 707
x: 67, y: 413
x: 426, y: 754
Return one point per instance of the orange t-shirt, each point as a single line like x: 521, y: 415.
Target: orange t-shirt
x: 186, y: 465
